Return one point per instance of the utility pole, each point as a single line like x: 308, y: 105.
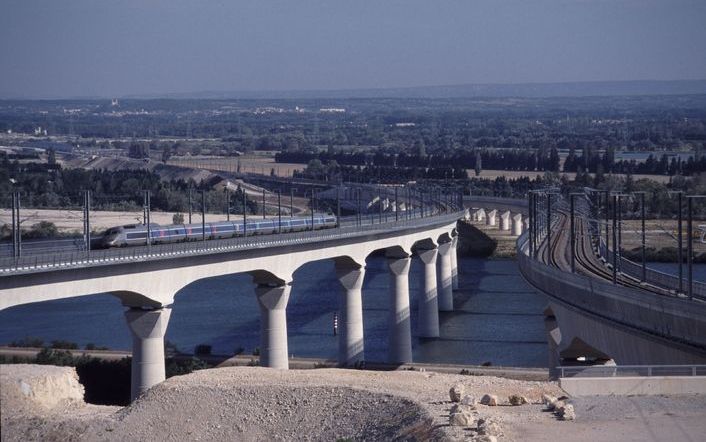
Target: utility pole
x: 16, y: 225
x: 146, y: 208
x: 279, y: 211
x: 245, y: 212
x: 227, y: 204
x: 607, y: 220
x: 530, y: 207
x: 615, y: 241
x: 312, y: 209
x: 190, y: 204
x: 680, y: 239
x: 291, y: 202
x: 620, y: 232
x: 203, y: 215
x: 572, y: 234
x: 689, y: 246
x: 549, y: 224
x: 87, y: 221
x: 263, y: 203
x: 397, y: 207
x: 338, y: 206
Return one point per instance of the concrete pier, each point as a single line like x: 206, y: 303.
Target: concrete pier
x: 505, y: 221
x: 446, y: 297
x: 428, y: 301
x: 350, y: 338
x: 273, y: 325
x: 454, y: 263
x: 148, y: 328
x: 400, y: 330
x: 517, y: 226
x: 491, y: 217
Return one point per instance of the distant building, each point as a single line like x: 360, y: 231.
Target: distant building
x: 332, y: 110
x: 405, y: 124
x: 114, y: 102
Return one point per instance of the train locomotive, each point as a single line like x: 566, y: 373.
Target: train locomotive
x: 136, y: 234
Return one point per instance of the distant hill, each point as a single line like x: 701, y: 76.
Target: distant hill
x: 529, y: 90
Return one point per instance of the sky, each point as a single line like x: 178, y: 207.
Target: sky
x: 114, y: 48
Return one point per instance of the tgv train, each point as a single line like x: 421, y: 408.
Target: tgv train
x: 136, y: 234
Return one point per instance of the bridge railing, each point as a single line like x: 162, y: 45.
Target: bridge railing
x: 603, y: 371
x: 28, y: 264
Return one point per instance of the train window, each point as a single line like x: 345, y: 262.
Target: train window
x: 137, y: 235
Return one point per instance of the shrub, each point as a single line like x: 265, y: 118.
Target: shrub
x: 28, y: 342
x: 43, y: 229
x: 64, y: 345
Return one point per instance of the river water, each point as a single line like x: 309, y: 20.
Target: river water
x: 498, y: 317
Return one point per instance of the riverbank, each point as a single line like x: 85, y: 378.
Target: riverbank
x: 26, y: 354
x: 253, y: 403
x: 480, y: 240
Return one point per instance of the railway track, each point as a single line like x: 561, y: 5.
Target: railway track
x: 586, y: 261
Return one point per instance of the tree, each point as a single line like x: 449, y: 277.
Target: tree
x: 51, y: 156
x: 479, y: 166
x: 420, y: 148
x: 178, y: 218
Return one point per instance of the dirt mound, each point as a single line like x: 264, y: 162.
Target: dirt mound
x: 232, y: 411
x: 31, y: 387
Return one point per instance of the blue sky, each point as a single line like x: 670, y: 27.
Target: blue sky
x: 65, y: 48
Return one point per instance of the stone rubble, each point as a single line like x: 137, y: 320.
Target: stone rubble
x: 516, y: 399
x: 456, y: 392
x: 489, y: 399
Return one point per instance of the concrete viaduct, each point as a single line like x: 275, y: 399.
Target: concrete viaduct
x: 631, y: 322
x: 147, y: 279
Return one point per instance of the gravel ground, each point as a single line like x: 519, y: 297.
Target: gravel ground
x: 254, y: 403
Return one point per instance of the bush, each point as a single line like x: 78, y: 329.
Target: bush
x: 180, y: 367
x: 28, y: 342
x: 50, y: 356
x: 178, y: 218
x: 64, y: 345
x: 43, y: 229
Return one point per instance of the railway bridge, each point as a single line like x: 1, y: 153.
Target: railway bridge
x: 598, y: 312
x: 146, y: 279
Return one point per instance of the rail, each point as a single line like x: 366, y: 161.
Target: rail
x: 60, y: 261
x: 652, y: 276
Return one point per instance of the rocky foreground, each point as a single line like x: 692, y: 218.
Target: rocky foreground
x: 253, y: 403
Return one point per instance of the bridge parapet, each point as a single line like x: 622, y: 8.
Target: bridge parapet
x: 61, y: 261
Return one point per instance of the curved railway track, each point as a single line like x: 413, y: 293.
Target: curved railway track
x: 587, y: 261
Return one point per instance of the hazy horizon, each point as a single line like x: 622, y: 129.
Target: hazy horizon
x: 83, y: 48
